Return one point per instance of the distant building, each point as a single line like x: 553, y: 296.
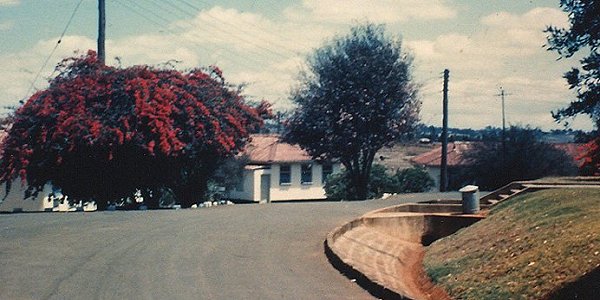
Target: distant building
x: 278, y: 171
x: 18, y: 201
x: 432, y: 160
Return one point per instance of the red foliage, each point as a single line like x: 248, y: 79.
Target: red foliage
x: 591, y: 158
x: 109, y: 113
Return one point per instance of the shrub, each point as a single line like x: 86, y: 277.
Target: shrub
x: 412, y: 180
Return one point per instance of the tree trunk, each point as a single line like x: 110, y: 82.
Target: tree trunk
x: 192, y: 193
x: 188, y: 196
x: 361, y: 187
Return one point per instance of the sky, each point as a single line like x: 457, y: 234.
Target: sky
x: 264, y: 44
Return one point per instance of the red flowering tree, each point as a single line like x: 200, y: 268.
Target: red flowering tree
x: 591, y: 158
x: 100, y: 132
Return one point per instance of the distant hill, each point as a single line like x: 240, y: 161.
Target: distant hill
x: 494, y: 134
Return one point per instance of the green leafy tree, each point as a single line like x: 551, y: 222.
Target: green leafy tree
x: 582, y: 37
x: 356, y: 97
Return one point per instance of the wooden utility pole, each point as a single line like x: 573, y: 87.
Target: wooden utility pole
x: 444, y: 162
x: 101, y: 30
x: 502, y: 94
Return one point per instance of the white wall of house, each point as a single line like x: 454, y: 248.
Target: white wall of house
x: 295, y: 190
x: 249, y: 188
x: 435, y: 173
x: 16, y: 201
x: 245, y: 190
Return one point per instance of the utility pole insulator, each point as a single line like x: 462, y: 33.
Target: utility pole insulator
x: 444, y: 162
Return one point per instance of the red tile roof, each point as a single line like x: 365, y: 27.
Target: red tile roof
x: 433, y: 158
x: 268, y: 148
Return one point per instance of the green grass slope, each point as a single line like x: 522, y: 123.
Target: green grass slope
x: 530, y: 247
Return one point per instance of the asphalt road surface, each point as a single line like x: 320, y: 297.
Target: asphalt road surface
x: 269, y: 251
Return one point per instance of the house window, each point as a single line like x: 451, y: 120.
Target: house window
x: 327, y: 170
x: 285, y: 175
x: 306, y: 177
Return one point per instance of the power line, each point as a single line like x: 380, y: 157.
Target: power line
x: 234, y: 56
x: 241, y: 38
x: 53, y: 49
x: 172, y: 33
x: 280, y: 46
x: 167, y: 22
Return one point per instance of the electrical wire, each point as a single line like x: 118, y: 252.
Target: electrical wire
x: 164, y: 26
x: 37, y: 76
x: 139, y: 10
x: 279, y: 46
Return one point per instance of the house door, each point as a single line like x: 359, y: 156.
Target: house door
x: 265, y: 187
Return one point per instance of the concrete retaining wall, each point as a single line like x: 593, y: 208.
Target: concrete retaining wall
x: 383, y: 249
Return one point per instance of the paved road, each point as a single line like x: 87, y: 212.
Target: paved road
x: 269, y: 251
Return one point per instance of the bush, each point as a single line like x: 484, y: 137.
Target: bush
x: 412, y: 180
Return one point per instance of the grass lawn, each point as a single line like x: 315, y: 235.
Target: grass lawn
x: 528, y: 247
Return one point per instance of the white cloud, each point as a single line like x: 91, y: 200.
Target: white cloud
x: 384, y: 11
x: 505, y: 50
x: 9, y: 2
x: 538, y: 17
x: 247, y: 47
x: 20, y: 69
x: 6, y: 25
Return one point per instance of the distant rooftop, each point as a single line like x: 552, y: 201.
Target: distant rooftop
x: 455, y: 152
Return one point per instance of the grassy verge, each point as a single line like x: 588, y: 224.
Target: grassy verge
x: 528, y: 246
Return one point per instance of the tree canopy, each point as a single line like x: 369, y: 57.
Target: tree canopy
x: 582, y: 36
x: 101, y: 133
x: 356, y: 97
x: 523, y: 158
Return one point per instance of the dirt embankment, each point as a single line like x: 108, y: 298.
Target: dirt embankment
x: 543, y: 245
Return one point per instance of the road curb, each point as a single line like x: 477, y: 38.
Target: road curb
x: 373, y: 262
x: 359, y: 278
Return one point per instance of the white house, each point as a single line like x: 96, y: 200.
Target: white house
x: 279, y: 171
x: 17, y: 200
